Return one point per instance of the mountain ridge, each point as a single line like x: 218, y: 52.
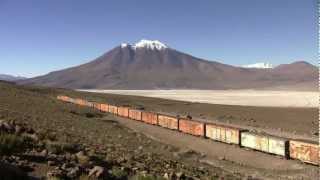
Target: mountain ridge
x: 159, y: 67
x: 7, y: 77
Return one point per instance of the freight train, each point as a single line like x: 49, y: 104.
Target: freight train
x: 304, y: 151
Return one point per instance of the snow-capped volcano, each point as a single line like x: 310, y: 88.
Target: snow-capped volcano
x: 149, y: 44
x: 261, y: 65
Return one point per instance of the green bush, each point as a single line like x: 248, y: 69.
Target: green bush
x: 60, y: 147
x: 119, y: 174
x: 10, y: 144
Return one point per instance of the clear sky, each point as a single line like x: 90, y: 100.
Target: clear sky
x: 39, y: 36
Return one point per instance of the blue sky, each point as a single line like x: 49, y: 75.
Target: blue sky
x: 39, y: 36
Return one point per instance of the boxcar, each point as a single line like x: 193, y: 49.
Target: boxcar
x: 123, y: 111
x: 135, y: 114
x: 168, y: 122
x: 72, y: 100
x: 222, y: 133
x: 304, y: 151
x: 150, y: 118
x: 104, y: 107
x: 80, y: 102
x: 278, y: 146
x: 97, y: 106
x: 89, y: 104
x: 113, y: 109
x: 265, y: 143
x: 61, y: 98
x: 192, y: 127
x: 254, y: 141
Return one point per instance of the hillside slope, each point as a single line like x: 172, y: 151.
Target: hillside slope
x: 145, y: 67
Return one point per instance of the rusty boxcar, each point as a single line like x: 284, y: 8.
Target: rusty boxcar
x: 80, y: 102
x: 135, y: 114
x: 304, y: 151
x: 150, y: 118
x: 222, y: 133
x: 123, y: 111
x: 104, y: 107
x: 168, y: 122
x: 62, y: 98
x: 113, y: 109
x: 97, y: 106
x: 192, y: 127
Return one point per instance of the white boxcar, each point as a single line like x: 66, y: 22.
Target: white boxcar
x: 278, y: 146
x: 265, y: 143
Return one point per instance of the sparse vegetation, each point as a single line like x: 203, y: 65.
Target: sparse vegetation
x: 147, y: 177
x: 10, y: 143
x: 119, y: 174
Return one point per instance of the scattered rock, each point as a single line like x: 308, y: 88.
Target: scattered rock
x: 96, y: 172
x: 82, y: 157
x: 54, y: 174
x: 51, y: 163
x: 73, y: 173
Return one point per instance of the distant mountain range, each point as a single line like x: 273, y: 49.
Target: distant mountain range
x: 5, y: 77
x: 154, y: 65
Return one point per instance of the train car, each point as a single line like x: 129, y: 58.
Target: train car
x: 113, y: 109
x: 307, y: 152
x: 150, y: 117
x: 104, y: 107
x: 97, y: 106
x: 72, y: 100
x: 135, y: 114
x: 89, y: 104
x: 192, y: 127
x: 223, y: 133
x: 80, y: 102
x: 169, y: 122
x: 123, y: 112
x: 278, y: 146
x: 254, y: 141
x: 61, y: 98
x: 265, y: 143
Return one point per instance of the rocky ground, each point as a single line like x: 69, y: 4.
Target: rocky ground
x: 42, y: 138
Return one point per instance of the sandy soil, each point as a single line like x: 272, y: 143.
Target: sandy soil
x: 230, y: 97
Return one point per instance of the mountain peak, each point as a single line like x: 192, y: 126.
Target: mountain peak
x: 148, y: 44
x: 260, y: 65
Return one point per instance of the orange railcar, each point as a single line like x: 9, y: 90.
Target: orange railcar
x: 97, y: 106
x: 168, y: 122
x: 63, y: 98
x: 192, y: 127
x: 150, y: 118
x: 123, y: 111
x: 135, y: 114
x: 104, y: 107
x: 113, y: 109
x: 80, y: 102
x: 304, y: 151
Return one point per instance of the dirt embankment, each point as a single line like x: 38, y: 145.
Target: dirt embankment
x: 103, y: 142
